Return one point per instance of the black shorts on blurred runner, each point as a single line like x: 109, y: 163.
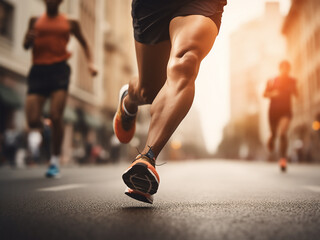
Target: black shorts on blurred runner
x: 151, y: 18
x: 275, y: 116
x: 45, y: 79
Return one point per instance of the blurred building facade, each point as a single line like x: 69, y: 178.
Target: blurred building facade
x: 256, y: 49
x: 187, y: 142
x: 14, y: 64
x: 14, y: 61
x: 302, y: 31
x: 119, y: 62
x: 106, y: 24
x: 86, y: 95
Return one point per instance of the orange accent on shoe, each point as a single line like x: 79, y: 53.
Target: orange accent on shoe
x: 148, y: 196
x: 123, y: 135
x: 124, y: 126
x: 283, y: 162
x: 152, y: 168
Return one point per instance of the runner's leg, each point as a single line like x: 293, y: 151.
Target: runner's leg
x: 192, y: 38
x: 273, y: 123
x: 283, y: 129
x: 34, y: 107
x: 169, y: 106
x: 152, y: 64
x: 58, y: 102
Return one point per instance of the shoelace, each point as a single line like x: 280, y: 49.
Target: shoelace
x: 152, y: 160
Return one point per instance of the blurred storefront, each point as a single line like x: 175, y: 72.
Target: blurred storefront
x: 13, y: 68
x: 302, y: 31
x: 11, y: 89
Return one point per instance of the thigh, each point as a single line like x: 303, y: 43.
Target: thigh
x: 152, y: 64
x: 195, y: 33
x: 34, y: 107
x: 57, y: 103
x: 284, y: 125
x: 273, y: 122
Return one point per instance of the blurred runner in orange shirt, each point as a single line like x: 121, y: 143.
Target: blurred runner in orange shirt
x: 48, y: 36
x: 280, y: 91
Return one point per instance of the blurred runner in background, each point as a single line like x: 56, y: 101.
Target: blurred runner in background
x: 10, y: 144
x: 48, y: 36
x: 280, y: 91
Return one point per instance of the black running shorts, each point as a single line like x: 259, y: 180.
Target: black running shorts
x: 275, y: 116
x: 151, y: 18
x: 45, y: 79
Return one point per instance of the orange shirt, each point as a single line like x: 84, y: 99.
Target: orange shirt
x: 52, y: 37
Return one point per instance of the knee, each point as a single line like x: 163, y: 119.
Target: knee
x: 34, y: 122
x: 283, y: 136
x: 183, y: 68
x: 146, y: 94
x: 56, y: 119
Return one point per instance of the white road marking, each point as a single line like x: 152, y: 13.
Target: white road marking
x: 313, y: 188
x: 61, y: 188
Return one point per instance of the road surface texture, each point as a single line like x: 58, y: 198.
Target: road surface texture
x: 196, y: 200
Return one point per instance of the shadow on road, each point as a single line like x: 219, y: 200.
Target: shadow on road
x: 137, y: 209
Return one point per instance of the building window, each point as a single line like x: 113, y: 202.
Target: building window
x: 6, y: 19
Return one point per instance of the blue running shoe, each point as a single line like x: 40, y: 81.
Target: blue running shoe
x: 53, y: 172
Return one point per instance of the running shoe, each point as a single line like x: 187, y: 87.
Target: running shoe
x: 283, y: 164
x: 142, y: 179
x: 140, y: 196
x: 124, y: 123
x: 53, y: 172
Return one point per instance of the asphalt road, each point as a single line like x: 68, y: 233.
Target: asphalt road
x: 196, y: 200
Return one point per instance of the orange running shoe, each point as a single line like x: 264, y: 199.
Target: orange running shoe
x: 124, y: 123
x: 142, y: 179
x: 283, y: 164
x: 140, y: 196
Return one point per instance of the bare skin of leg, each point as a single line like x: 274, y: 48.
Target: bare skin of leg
x: 191, y: 38
x: 57, y: 104
x: 273, y: 128
x: 34, y: 107
x: 283, y: 129
x: 152, y: 65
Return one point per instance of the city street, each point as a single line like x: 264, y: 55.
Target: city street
x: 196, y: 200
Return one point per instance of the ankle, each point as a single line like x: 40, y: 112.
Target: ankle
x: 148, y: 152
x: 54, y: 160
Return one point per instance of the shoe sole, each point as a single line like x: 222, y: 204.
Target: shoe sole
x: 122, y: 90
x: 140, y: 178
x: 140, y: 196
x: 283, y: 166
x: 283, y: 169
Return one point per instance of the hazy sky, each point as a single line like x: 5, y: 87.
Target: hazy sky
x: 212, y: 86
